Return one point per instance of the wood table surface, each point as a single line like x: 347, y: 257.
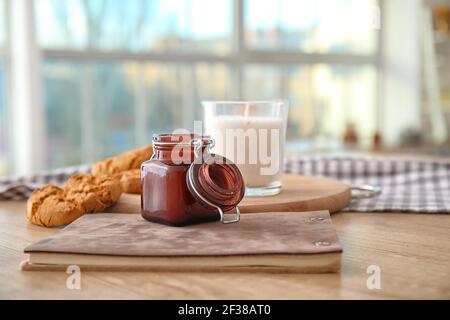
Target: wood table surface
x: 412, y: 251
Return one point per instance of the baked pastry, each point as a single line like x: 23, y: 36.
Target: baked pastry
x: 48, y: 207
x: 123, y: 162
x: 130, y: 181
x: 51, y: 206
x: 93, y: 193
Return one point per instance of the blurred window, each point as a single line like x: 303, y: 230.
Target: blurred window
x: 63, y: 113
x: 323, y: 98
x: 315, y: 26
x: 135, y: 25
x: 115, y: 72
x: 98, y: 109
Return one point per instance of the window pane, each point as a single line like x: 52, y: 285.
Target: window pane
x: 164, y: 97
x: 262, y: 82
x: 113, y: 108
x: 63, y: 113
x: 174, y: 93
x: 339, y: 26
x: 89, y: 112
x: 213, y: 82
x: 98, y: 110
x: 136, y: 25
x: 323, y: 98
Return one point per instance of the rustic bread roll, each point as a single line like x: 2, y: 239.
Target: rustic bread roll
x: 93, y: 193
x: 130, y: 181
x: 123, y: 162
x: 52, y: 206
x: 48, y: 207
x: 85, y: 193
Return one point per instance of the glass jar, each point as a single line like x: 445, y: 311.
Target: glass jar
x: 183, y: 183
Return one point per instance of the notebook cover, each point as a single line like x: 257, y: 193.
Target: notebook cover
x: 255, y: 234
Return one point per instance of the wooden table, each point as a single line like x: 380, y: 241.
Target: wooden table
x: 412, y: 250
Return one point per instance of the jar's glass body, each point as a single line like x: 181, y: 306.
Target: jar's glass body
x: 165, y: 195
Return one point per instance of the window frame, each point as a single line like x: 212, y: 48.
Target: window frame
x: 4, y: 59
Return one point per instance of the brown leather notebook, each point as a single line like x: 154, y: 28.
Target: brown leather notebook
x: 280, y: 242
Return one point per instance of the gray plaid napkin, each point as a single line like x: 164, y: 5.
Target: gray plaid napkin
x: 409, y: 186
x: 406, y: 185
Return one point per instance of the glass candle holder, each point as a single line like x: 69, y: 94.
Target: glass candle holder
x: 252, y: 134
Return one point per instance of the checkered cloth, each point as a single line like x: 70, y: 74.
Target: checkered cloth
x: 407, y: 186
x: 20, y: 188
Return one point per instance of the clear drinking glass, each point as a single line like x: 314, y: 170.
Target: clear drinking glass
x: 252, y: 134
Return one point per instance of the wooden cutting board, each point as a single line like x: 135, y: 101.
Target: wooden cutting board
x: 299, y: 193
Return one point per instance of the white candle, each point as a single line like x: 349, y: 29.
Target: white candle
x: 254, y: 143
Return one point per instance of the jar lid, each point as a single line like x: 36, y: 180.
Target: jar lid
x: 216, y: 182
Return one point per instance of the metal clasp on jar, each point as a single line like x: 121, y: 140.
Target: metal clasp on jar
x: 198, y: 144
